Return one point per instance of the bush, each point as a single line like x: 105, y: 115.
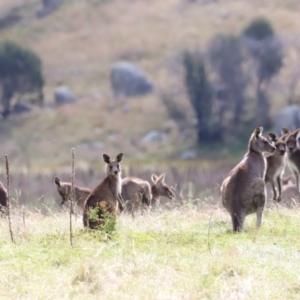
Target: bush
x: 259, y: 29
x: 21, y: 73
x: 266, y: 51
x: 200, y: 94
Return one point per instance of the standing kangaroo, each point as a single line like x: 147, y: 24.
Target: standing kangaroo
x: 139, y: 192
x: 243, y: 191
x: 106, y: 196
x: 3, y: 199
x: 293, y: 153
x: 64, y: 190
x: 276, y: 165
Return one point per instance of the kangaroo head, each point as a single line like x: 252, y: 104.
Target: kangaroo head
x: 160, y: 188
x: 63, y: 189
x: 291, y: 140
x: 259, y: 143
x: 278, y: 142
x: 113, y: 167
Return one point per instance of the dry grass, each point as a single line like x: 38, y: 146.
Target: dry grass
x: 79, y: 43
x: 181, y: 251
x: 186, y: 253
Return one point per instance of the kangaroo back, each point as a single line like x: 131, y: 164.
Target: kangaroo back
x: 137, y: 191
x: 64, y: 190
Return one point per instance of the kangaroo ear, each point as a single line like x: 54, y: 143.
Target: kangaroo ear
x: 258, y: 131
x: 154, y: 178
x: 162, y: 177
x: 273, y: 137
x: 106, y: 158
x: 284, y: 130
x: 57, y: 181
x: 119, y: 157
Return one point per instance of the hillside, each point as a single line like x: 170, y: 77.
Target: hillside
x: 78, y: 45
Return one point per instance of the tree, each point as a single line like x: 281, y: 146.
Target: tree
x: 200, y: 94
x: 20, y: 73
x: 226, y: 58
x: 266, y: 50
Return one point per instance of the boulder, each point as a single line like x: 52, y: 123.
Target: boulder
x: 48, y: 7
x: 21, y: 108
x: 154, y: 136
x: 63, y: 95
x: 188, y: 154
x: 129, y: 80
x: 288, y: 117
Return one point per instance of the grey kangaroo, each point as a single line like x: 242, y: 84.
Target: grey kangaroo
x: 243, y: 191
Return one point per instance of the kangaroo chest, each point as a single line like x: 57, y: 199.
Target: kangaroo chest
x: 278, y: 172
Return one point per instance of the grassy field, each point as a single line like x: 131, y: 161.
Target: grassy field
x: 185, y: 253
x: 184, y: 250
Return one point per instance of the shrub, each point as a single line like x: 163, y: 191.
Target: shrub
x: 200, y: 94
x: 21, y: 73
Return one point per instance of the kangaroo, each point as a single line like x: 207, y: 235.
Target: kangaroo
x: 64, y: 190
x: 160, y: 188
x: 139, y: 192
x: 289, y: 191
x: 107, y: 195
x: 275, y: 165
x: 293, y: 153
x: 243, y: 191
x: 3, y: 199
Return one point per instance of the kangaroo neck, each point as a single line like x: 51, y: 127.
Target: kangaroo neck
x: 114, y: 182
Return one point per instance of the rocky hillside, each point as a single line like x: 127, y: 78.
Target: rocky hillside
x: 79, y: 42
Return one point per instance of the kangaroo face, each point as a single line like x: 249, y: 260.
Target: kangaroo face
x: 280, y: 148
x: 165, y: 191
x: 259, y: 143
x: 291, y: 143
x: 62, y: 189
x: 279, y: 144
x: 160, y: 188
x: 113, y: 167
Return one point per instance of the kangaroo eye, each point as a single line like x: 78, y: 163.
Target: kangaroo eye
x: 111, y: 167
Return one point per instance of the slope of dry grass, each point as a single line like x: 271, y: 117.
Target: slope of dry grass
x: 79, y: 43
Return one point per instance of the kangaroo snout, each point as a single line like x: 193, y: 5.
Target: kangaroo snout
x: 273, y: 149
x: 171, y: 195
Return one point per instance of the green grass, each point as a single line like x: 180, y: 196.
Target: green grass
x: 187, y: 253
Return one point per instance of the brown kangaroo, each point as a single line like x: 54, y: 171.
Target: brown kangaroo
x: 243, y: 191
x: 293, y: 153
x: 106, y: 197
x: 139, y: 192
x: 276, y: 165
x: 3, y: 199
x: 64, y: 190
x: 160, y: 188
x: 136, y: 192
